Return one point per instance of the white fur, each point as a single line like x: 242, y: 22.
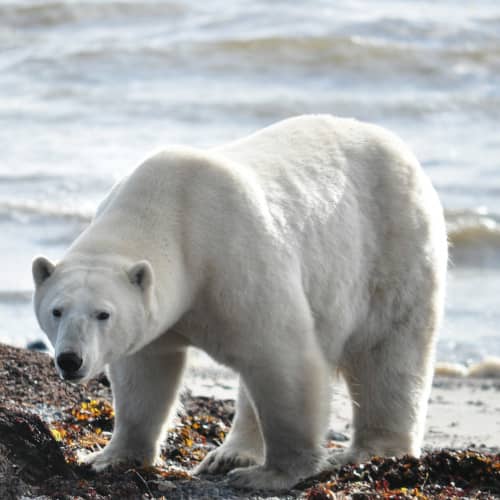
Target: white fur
x: 313, y: 245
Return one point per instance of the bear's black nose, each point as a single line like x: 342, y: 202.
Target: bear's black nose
x: 69, y: 362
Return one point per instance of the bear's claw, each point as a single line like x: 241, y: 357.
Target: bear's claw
x: 224, y: 459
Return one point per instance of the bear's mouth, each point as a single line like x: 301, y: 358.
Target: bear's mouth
x: 74, y: 378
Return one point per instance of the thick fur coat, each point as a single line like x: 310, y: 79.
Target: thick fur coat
x: 314, y: 245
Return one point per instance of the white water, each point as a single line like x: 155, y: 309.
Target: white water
x: 88, y: 88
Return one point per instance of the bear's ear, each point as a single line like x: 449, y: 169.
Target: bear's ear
x: 41, y: 268
x: 141, y: 275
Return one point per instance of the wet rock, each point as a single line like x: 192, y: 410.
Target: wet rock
x: 44, y: 421
x: 30, y: 446
x: 37, y: 345
x: 336, y: 436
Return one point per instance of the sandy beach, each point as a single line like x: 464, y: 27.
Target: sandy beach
x: 463, y: 412
x: 45, y: 422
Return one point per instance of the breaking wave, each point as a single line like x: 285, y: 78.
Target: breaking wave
x: 29, y: 211
x: 474, y: 237
x: 15, y: 297
x: 31, y: 13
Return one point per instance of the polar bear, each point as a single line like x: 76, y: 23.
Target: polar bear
x: 314, y: 246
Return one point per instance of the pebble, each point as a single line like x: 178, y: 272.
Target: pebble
x: 37, y: 345
x: 336, y: 436
x: 164, y: 486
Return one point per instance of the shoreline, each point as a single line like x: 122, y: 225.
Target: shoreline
x: 464, y: 414
x: 463, y: 411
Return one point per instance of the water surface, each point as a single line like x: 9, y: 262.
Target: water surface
x: 89, y: 88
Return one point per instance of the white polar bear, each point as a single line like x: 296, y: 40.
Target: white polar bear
x: 313, y: 245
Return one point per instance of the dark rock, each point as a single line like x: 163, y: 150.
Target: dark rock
x: 37, y: 345
x: 103, y: 379
x: 336, y: 436
x: 31, y: 445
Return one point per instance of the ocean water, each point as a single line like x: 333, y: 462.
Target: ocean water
x: 89, y: 88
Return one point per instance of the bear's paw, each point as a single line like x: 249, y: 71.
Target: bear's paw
x: 110, y: 457
x: 260, y: 477
x: 226, y: 458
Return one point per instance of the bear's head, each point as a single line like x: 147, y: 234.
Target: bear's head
x: 92, y: 313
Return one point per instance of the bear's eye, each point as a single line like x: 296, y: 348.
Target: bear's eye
x: 57, y: 313
x: 102, y: 316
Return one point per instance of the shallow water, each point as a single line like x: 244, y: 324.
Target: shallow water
x: 88, y: 88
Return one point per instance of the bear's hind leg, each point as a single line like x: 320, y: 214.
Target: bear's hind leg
x: 389, y: 386
x: 144, y: 389
x: 289, y: 386
x: 243, y: 445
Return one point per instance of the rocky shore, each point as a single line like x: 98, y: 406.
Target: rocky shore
x: 44, y: 422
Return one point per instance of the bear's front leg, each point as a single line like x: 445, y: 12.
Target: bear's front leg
x: 144, y: 389
x: 243, y: 445
x: 289, y: 386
